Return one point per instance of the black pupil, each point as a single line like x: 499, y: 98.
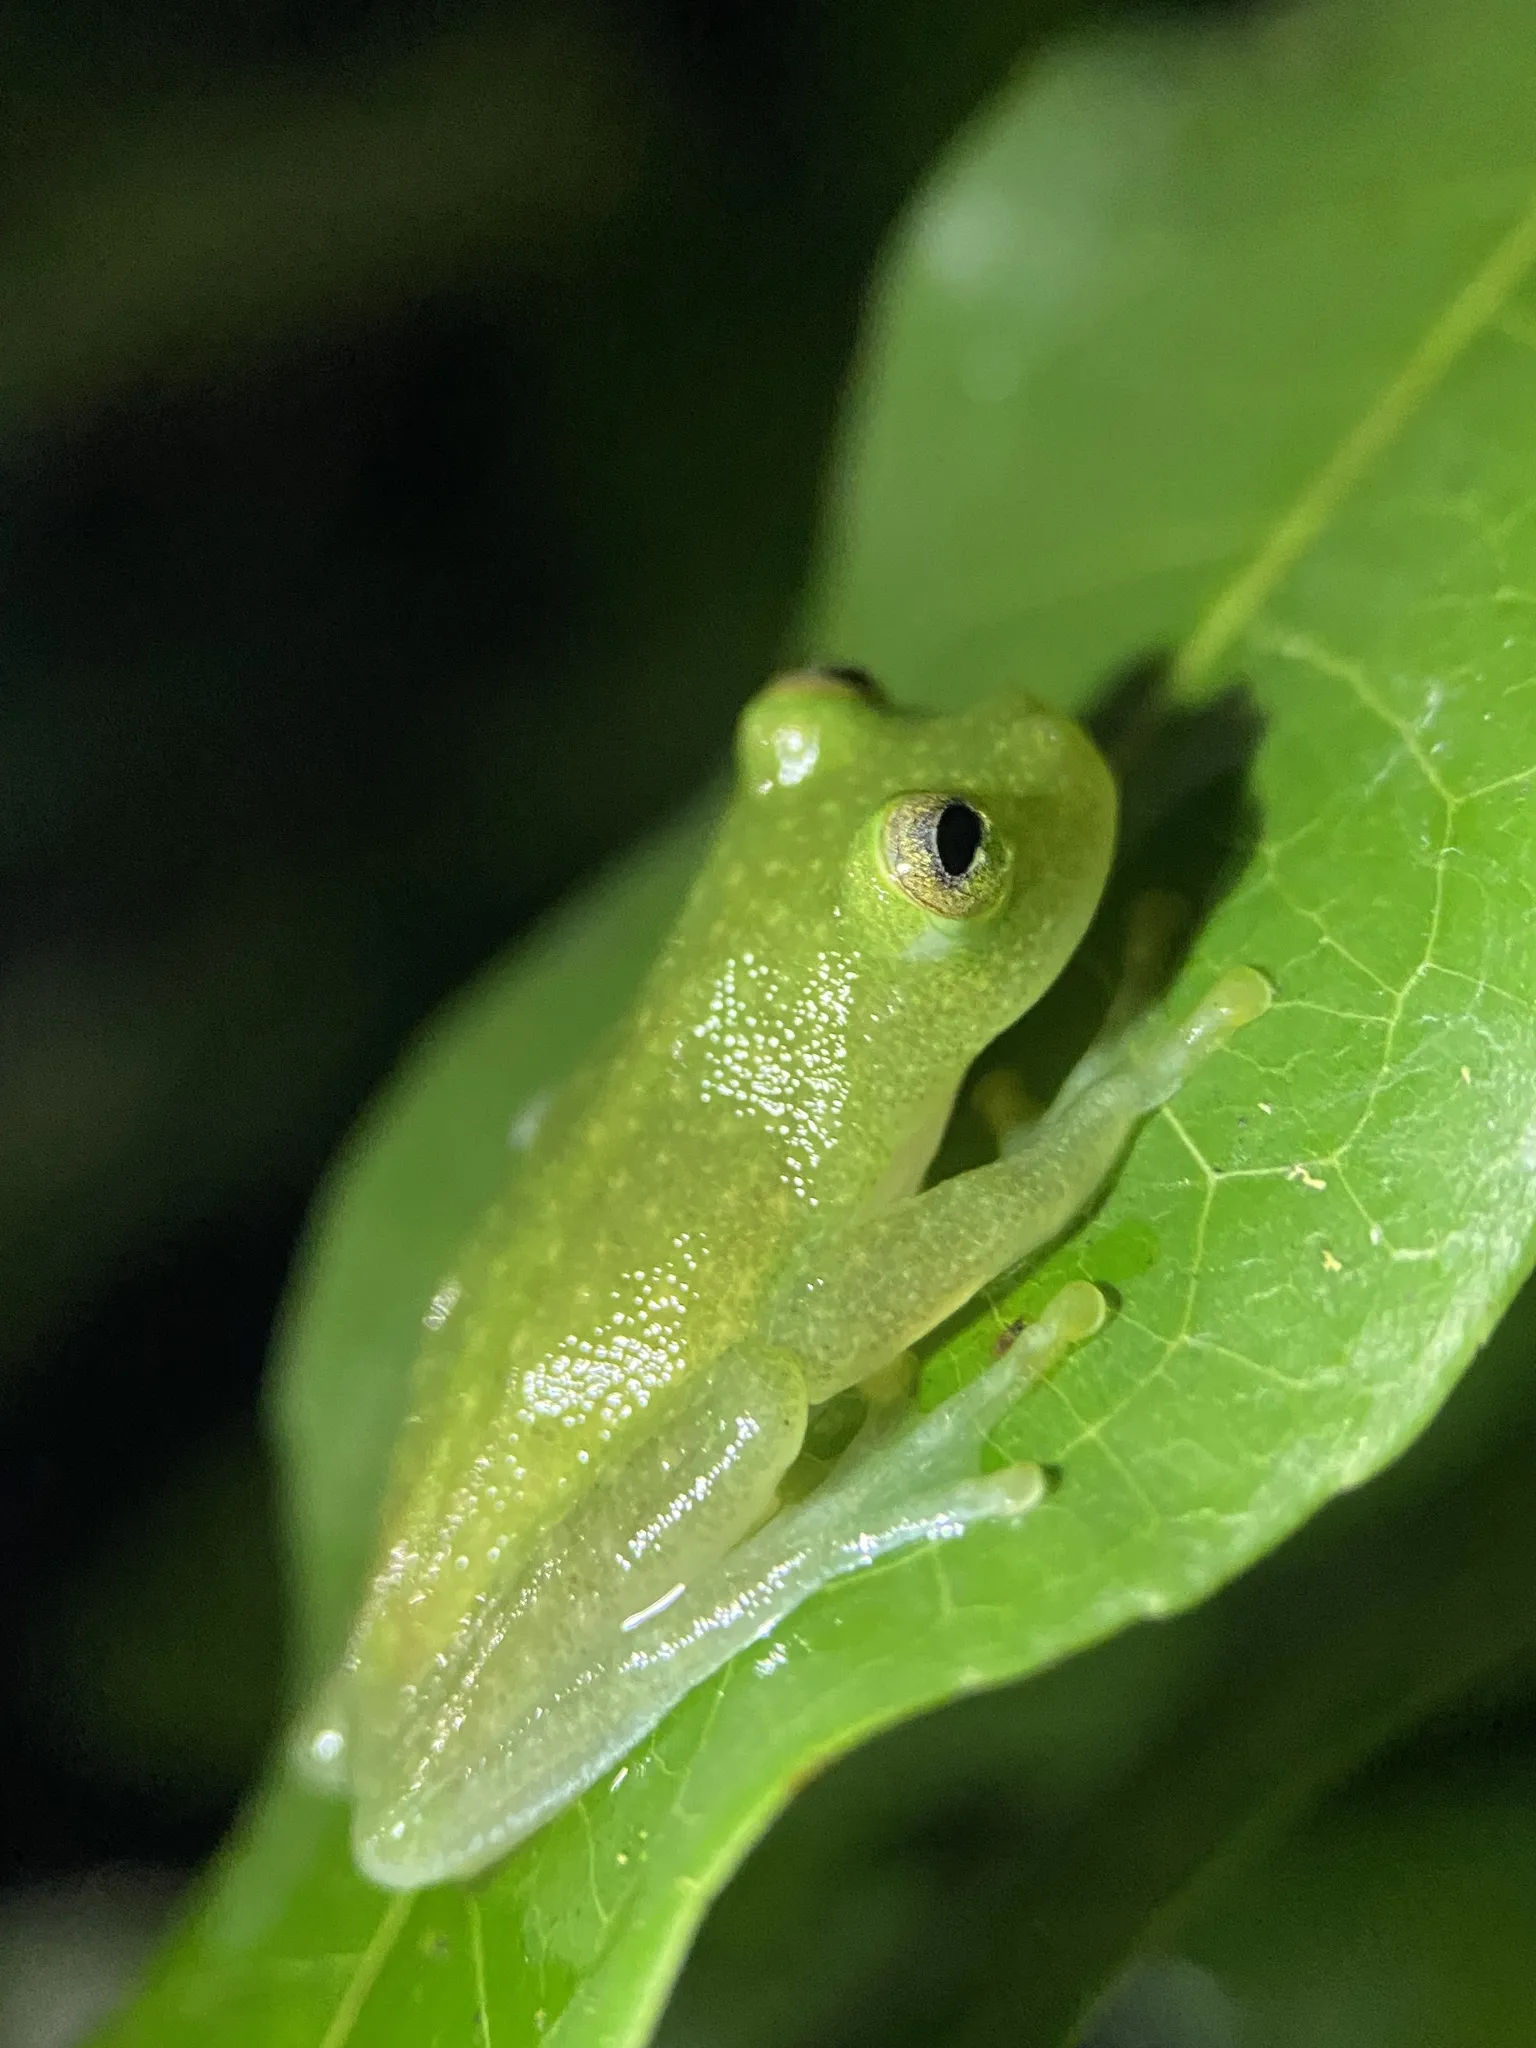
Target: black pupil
x: 957, y: 839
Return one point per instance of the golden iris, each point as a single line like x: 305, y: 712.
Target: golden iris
x: 942, y: 851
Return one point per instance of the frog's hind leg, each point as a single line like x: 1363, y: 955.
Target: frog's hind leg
x: 519, y: 1710
x: 923, y: 1458
x: 896, y: 1487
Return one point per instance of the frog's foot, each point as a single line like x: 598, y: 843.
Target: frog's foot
x: 1140, y: 1069
x: 898, y: 1484
x: 1131, y: 1025
x: 1165, y: 1055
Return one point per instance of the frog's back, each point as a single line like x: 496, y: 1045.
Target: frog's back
x: 630, y: 1254
x: 631, y: 1251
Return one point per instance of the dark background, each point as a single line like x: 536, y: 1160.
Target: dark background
x: 411, y: 420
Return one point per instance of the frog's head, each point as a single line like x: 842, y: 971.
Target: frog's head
x: 958, y: 859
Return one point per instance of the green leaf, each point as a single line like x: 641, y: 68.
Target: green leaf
x: 1216, y: 341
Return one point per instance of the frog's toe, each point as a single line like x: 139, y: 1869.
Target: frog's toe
x: 998, y: 1496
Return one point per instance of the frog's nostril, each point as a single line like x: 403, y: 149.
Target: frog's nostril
x: 957, y: 838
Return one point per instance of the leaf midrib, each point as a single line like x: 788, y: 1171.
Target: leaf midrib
x: 1468, y: 314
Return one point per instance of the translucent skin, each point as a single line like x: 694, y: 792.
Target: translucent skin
x: 617, y: 1373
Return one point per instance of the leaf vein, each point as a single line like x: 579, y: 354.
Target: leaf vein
x: 369, y: 1964
x: 1473, y: 309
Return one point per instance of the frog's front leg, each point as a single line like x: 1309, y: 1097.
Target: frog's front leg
x: 868, y: 1292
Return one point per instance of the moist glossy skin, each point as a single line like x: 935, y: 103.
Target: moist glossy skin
x: 617, y: 1373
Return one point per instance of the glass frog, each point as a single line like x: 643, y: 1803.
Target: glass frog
x: 721, y: 1225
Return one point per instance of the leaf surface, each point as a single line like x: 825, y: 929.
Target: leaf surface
x: 1139, y: 1803
x: 1217, y: 343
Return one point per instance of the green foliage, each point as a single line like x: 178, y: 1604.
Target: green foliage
x: 1215, y: 345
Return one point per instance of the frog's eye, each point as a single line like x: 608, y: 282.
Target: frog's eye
x: 944, y: 853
